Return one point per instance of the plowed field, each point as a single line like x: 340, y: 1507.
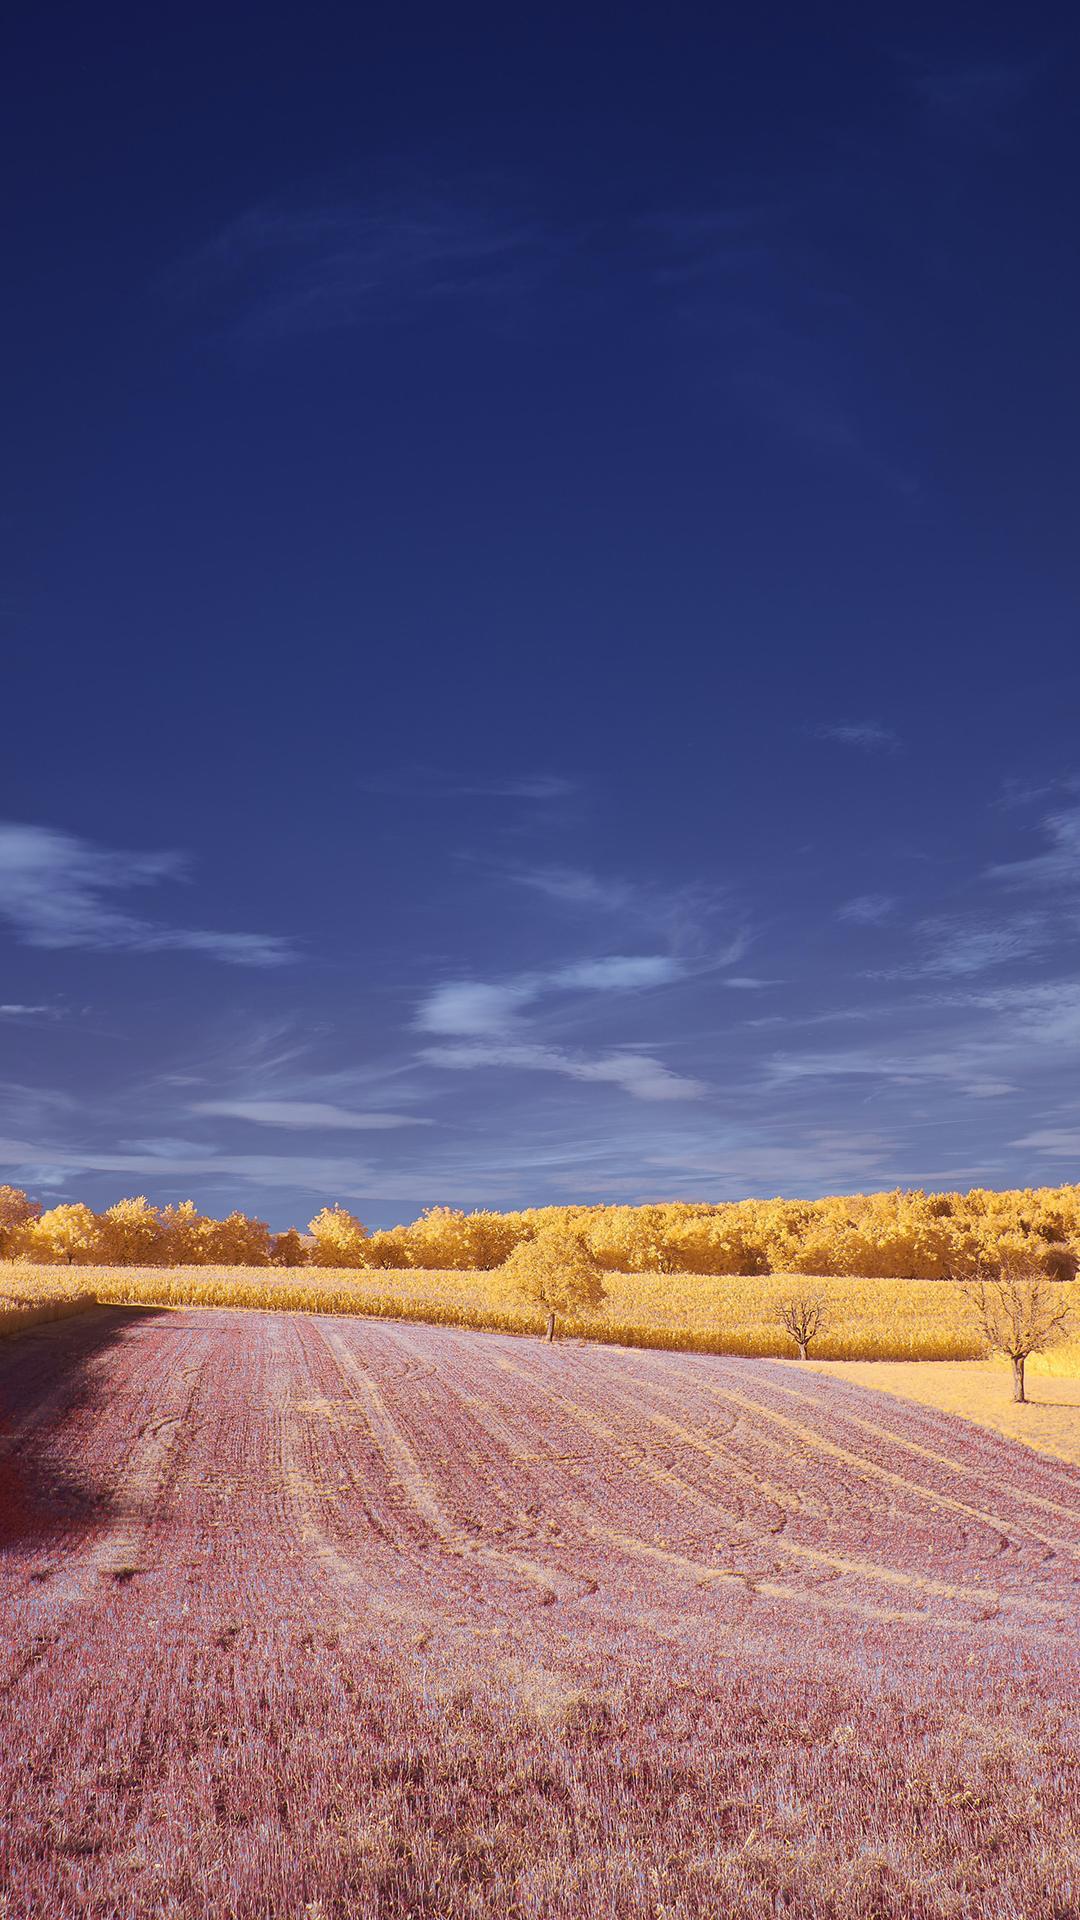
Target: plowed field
x: 309, y: 1618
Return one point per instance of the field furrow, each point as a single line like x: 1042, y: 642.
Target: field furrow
x: 315, y: 1619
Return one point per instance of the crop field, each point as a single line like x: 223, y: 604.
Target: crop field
x: 868, y: 1319
x: 307, y: 1619
x: 31, y: 1296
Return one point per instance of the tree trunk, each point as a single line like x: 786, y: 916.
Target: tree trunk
x: 1018, y: 1376
x: 550, y: 1334
x: 803, y: 1350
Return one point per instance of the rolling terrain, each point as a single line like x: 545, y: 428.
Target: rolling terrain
x: 323, y: 1618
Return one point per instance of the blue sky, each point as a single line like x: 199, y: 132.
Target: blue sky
x: 540, y: 605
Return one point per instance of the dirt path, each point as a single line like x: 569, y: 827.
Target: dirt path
x: 314, y: 1618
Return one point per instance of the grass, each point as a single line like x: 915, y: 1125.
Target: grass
x: 980, y: 1390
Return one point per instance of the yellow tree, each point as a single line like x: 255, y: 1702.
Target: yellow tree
x: 340, y: 1240
x: 68, y: 1233
x: 131, y: 1233
x: 556, y: 1271
x: 181, y: 1228
x: 388, y: 1248
x: 287, y: 1249
x: 17, y: 1214
x: 237, y: 1241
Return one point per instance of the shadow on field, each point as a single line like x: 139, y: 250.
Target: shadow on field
x: 45, y: 1380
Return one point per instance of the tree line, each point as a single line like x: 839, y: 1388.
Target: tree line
x: 903, y: 1234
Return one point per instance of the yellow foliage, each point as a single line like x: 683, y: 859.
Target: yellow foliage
x: 17, y: 1215
x: 68, y: 1235
x: 340, y: 1240
x: 898, y: 1235
x: 557, y: 1271
x: 131, y: 1233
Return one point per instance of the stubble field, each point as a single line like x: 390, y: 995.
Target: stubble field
x: 324, y: 1618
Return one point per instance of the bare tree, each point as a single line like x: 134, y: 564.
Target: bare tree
x: 1019, y: 1310
x: 803, y: 1316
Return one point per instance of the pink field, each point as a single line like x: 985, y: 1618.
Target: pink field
x: 308, y: 1618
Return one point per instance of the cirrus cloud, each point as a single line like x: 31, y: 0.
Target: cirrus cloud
x: 57, y: 890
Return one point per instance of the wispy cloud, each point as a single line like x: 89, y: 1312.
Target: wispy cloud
x: 699, y: 921
x: 575, y: 887
x: 1059, y: 863
x: 483, y: 1020
x: 36, y: 1163
x: 790, y: 1160
x: 471, y: 1007
x: 351, y: 257
x: 1063, y: 1143
x: 636, y: 1073
x: 869, y: 736
x: 970, y: 1067
x: 305, y: 1114
x: 476, y: 1006
x: 956, y: 949
x: 867, y: 909
x: 16, y: 1012
x: 57, y: 891
x: 951, y: 948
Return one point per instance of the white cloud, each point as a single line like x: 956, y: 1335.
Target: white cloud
x: 476, y: 1007
x: 1058, y: 1141
x: 955, y: 949
x: 638, y: 1074
x: 867, y: 909
x: 304, y: 1113
x: 56, y: 891
x: 1058, y: 865
x: 15, y: 1012
x: 574, y: 887
x: 486, y: 1013
x: 619, y: 970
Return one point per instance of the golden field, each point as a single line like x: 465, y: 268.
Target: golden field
x: 893, y: 1320
x: 32, y: 1295
x: 978, y: 1390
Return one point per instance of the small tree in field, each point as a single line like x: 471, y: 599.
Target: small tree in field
x: 557, y: 1271
x: 1019, y: 1311
x: 803, y: 1316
